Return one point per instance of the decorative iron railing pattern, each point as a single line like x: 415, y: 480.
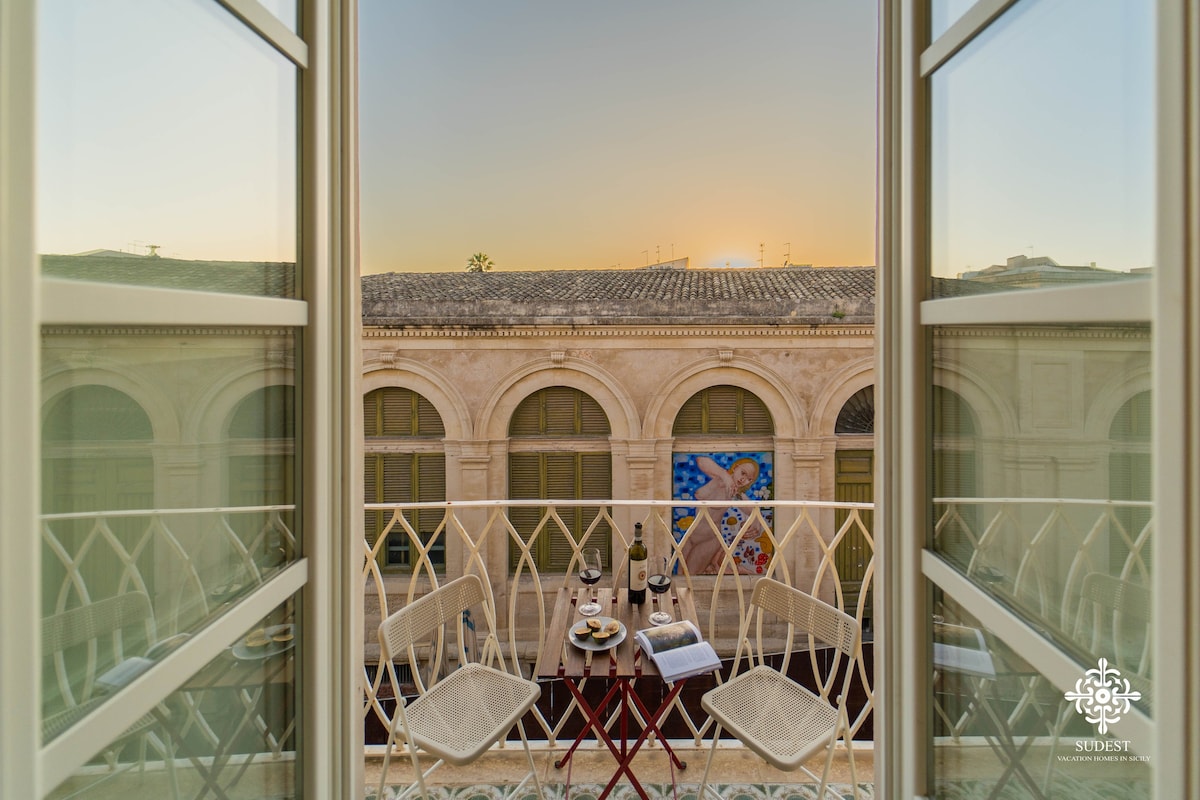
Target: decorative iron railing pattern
x: 800, y: 538
x: 188, y: 563
x: 1036, y: 555
x: 1033, y: 553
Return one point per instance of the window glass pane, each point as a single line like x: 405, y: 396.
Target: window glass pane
x: 1000, y: 728
x: 168, y: 475
x: 1041, y: 465
x: 944, y: 13
x: 166, y: 148
x: 231, y: 725
x: 286, y: 10
x: 1043, y: 150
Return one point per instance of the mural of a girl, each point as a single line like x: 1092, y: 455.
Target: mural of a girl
x: 747, y: 477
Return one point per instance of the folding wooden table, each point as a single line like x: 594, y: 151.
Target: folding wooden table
x: 622, y: 664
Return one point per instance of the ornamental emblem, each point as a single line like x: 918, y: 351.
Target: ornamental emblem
x: 1102, y: 696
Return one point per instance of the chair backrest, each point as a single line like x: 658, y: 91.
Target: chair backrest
x: 808, y: 614
x: 415, y: 622
x: 96, y: 625
x: 1113, y: 620
x: 92, y: 621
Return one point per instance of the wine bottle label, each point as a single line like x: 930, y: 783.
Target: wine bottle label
x: 637, y: 575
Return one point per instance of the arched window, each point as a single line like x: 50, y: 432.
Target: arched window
x: 116, y: 472
x: 262, y: 467
x: 262, y: 431
x: 559, y: 449
x: 954, y: 468
x: 858, y: 413
x: 724, y: 445
x: 1129, y: 473
x: 854, y: 482
x: 404, y: 462
x: 723, y: 410
x: 96, y: 456
x: 95, y: 413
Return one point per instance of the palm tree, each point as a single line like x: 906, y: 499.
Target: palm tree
x: 479, y: 263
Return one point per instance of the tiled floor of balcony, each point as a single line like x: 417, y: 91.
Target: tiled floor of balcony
x: 736, y: 773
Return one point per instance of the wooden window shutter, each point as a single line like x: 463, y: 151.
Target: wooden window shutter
x: 951, y: 414
x: 397, y: 407
x: 524, y: 483
x: 372, y: 421
x: 755, y: 417
x: 429, y: 421
x: 723, y: 410
x: 593, y: 420
x: 527, y: 418
x: 373, y: 521
x: 690, y: 419
x: 561, y: 411
x: 1132, y: 420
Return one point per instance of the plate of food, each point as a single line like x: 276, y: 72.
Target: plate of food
x: 597, y: 633
x: 265, y: 642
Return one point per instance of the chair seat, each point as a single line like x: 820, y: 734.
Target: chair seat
x: 467, y: 711
x: 54, y: 724
x: 773, y: 715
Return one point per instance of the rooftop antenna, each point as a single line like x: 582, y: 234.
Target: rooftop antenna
x: 646, y: 253
x: 787, y: 253
x: 672, y: 251
x: 762, y: 246
x: 657, y: 254
x: 153, y: 250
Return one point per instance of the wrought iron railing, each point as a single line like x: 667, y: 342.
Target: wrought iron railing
x: 797, y: 542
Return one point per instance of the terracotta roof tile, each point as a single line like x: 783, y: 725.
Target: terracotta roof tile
x: 787, y: 295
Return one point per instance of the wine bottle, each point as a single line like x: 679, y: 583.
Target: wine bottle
x: 638, y: 562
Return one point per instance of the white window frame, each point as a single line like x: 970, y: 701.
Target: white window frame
x: 1171, y: 301
x: 326, y: 581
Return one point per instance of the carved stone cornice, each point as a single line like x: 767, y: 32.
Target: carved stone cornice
x: 615, y: 331
x: 1130, y: 332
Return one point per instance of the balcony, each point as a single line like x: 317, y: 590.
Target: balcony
x: 186, y: 562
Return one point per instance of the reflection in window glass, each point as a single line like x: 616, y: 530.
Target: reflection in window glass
x: 944, y: 13
x: 1041, y: 469
x: 167, y: 476
x: 166, y: 148
x: 1000, y: 727
x: 232, y: 725
x: 286, y: 11
x: 1043, y: 150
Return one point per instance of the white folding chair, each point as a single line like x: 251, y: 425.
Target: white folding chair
x: 459, y: 716
x: 782, y: 721
x: 95, y: 633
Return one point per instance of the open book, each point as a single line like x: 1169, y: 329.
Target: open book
x: 678, y: 650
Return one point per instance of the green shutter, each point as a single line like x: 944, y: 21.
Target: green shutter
x: 723, y: 410
x: 399, y: 413
x: 561, y: 412
x: 853, y: 483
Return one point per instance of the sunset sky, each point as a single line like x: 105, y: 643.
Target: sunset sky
x: 564, y: 135
x: 558, y: 135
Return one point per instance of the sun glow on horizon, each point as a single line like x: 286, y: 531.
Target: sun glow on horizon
x: 616, y: 136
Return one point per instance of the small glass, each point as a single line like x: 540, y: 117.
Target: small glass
x: 590, y: 570
x: 659, y: 583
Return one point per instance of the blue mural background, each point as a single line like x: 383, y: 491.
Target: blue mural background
x: 687, y: 477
